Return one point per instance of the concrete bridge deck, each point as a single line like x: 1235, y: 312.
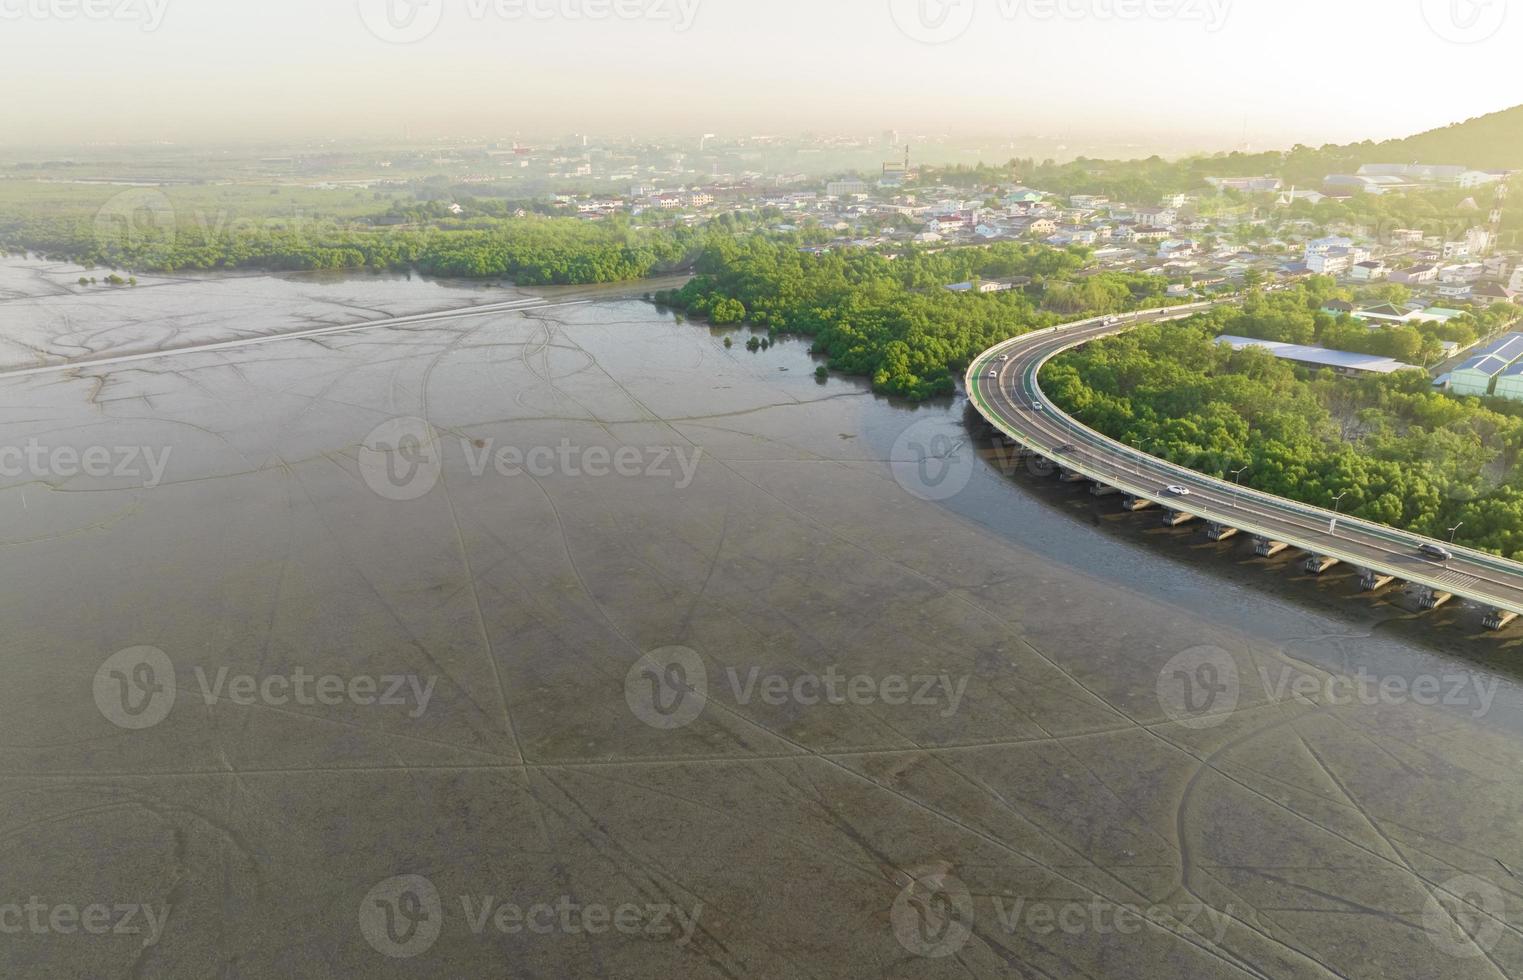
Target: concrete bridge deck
x: 1003, y: 385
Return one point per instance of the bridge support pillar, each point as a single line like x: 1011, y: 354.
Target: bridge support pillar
x: 1498, y: 619
x: 1217, y: 531
x: 1136, y: 503
x: 1429, y: 598
x: 1101, y: 490
x: 1069, y: 476
x: 1268, y: 547
x: 1372, y: 580
x: 1174, y: 518
x: 1317, y: 564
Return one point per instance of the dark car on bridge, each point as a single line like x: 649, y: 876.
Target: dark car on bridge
x: 1435, y: 552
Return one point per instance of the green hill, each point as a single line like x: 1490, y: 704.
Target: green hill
x: 1493, y: 142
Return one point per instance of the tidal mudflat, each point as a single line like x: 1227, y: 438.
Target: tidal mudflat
x: 571, y: 642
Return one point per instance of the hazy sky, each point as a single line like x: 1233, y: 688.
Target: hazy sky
x: 1307, y: 70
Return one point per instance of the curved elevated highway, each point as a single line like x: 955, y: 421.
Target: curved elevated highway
x: 1003, y: 385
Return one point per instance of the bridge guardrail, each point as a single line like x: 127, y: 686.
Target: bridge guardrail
x: 1285, y: 505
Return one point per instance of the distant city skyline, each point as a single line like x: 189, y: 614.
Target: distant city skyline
x: 1205, y: 74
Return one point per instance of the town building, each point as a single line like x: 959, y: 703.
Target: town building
x: 1478, y: 376
x: 1342, y: 362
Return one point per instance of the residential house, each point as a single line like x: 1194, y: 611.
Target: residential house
x: 1156, y: 217
x: 1333, y: 262
x: 981, y: 286
x: 1464, y: 272
x: 1388, y: 314
x: 1372, y: 270
x: 1322, y: 246
x: 1072, y: 236
x: 1491, y: 293
x: 1035, y: 227
x: 1416, y: 275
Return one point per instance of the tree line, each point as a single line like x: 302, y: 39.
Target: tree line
x: 1396, y: 451
x: 885, y: 314
x: 1302, y: 315
x: 530, y: 249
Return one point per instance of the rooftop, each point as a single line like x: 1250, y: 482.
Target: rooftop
x: 1321, y: 356
x: 1486, y: 364
x: 1509, y: 347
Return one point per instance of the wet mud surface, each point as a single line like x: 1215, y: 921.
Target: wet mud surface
x: 628, y: 654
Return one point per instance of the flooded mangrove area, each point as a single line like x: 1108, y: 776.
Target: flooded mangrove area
x: 572, y: 641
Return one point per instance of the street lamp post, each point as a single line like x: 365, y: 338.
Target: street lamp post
x: 1237, y: 493
x: 1337, y: 512
x: 1452, y: 532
